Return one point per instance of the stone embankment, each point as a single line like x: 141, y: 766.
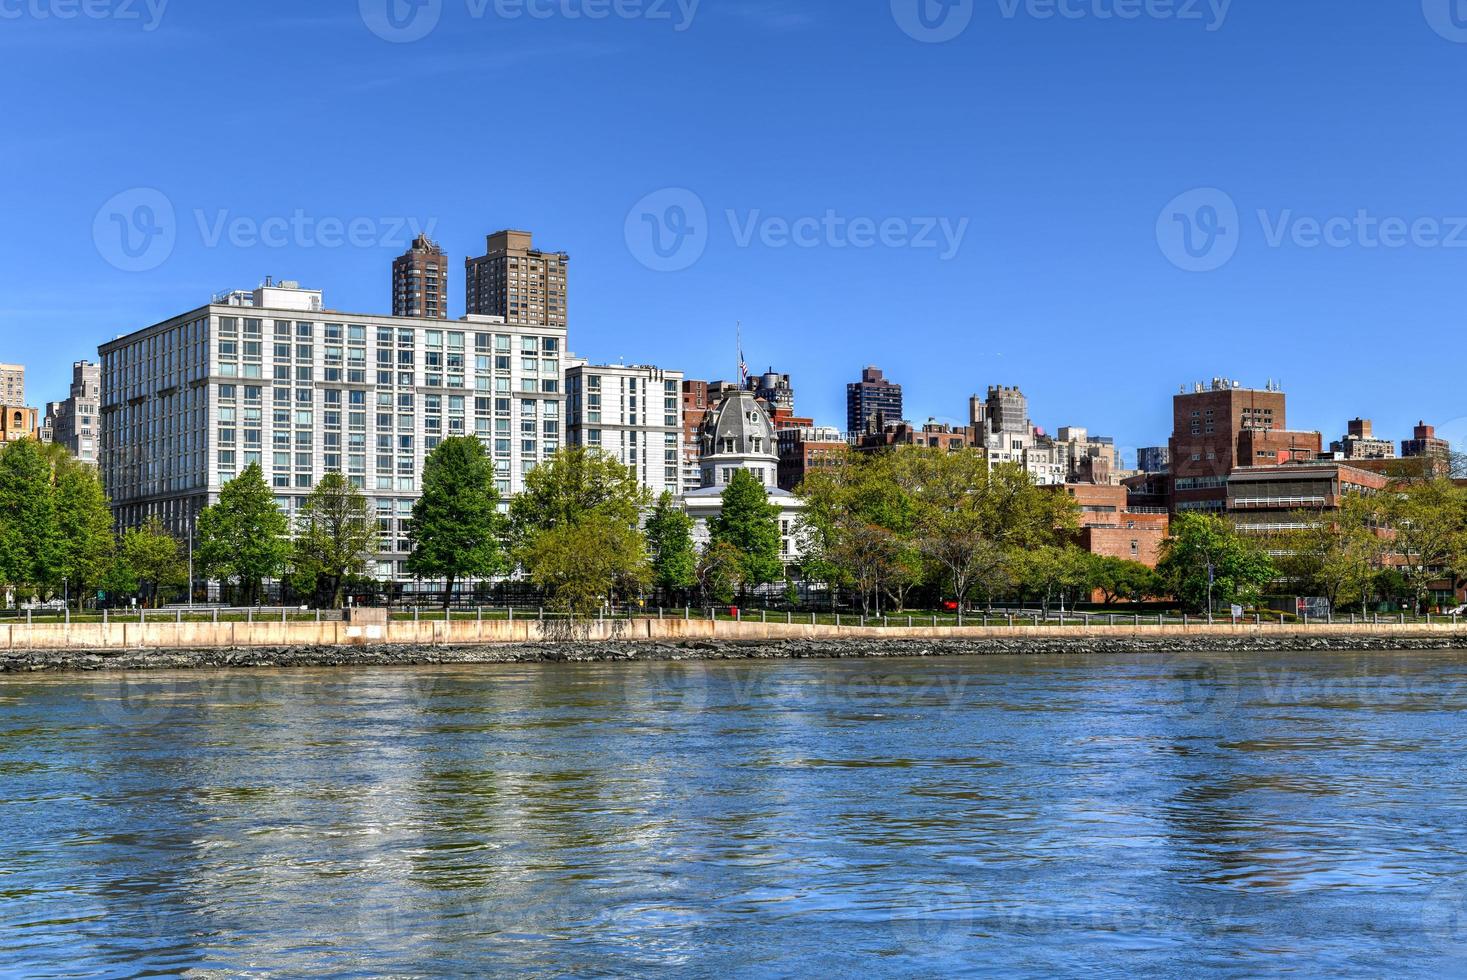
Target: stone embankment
x: 874, y: 645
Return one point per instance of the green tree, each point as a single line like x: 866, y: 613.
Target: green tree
x: 749, y: 523
x: 587, y: 563
x: 670, y: 539
x: 973, y: 522
x: 876, y: 560
x: 720, y: 572
x: 573, y: 484
x: 335, y: 535
x: 147, y: 561
x: 32, y: 549
x: 245, y: 536
x: 582, y: 499
x: 859, y: 529
x: 457, y: 528
x: 1120, y: 579
x: 84, y: 520
x: 1334, y: 555
x: 1053, y: 572
x: 1206, y: 562
x: 1429, y: 521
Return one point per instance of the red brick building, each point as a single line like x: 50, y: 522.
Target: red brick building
x: 1424, y: 444
x: 1265, y: 499
x: 932, y: 436
x: 1222, y: 426
x: 1111, y: 526
x: 696, y: 406
x: 804, y: 449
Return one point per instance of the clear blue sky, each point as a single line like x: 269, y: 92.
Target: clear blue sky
x: 1058, y: 140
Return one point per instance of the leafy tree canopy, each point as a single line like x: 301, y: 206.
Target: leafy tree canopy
x: 457, y: 527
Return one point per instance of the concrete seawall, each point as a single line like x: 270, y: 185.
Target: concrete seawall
x: 90, y: 647
x: 204, y: 636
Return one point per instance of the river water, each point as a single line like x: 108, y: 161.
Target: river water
x: 1003, y: 815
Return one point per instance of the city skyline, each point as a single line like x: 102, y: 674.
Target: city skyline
x: 1128, y: 450
x: 733, y: 487
x: 1055, y: 256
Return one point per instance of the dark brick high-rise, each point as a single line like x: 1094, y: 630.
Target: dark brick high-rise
x: 517, y: 281
x: 870, y: 399
x: 420, y: 281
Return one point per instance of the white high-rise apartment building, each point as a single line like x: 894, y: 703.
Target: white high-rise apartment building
x: 270, y: 376
x: 633, y: 413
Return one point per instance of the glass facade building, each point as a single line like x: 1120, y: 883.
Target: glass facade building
x: 270, y: 377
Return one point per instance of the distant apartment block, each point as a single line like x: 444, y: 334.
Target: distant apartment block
x: 634, y: 414
x: 1360, y: 442
x: 514, y: 280
x: 804, y: 450
x: 697, y: 403
x: 1424, y: 444
x: 12, y: 384
x: 1005, y: 410
x: 271, y: 377
x: 1000, y: 425
x: 775, y: 390
x: 1154, y: 459
x: 777, y: 394
x: 420, y: 281
x: 932, y: 435
x: 872, y: 403
x: 74, y: 423
x: 1091, y: 459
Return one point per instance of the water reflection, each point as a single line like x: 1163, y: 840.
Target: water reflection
x: 996, y: 815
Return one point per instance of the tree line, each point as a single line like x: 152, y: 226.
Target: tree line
x: 56, y: 533
x: 928, y: 526
x: 910, y: 527
x: 585, y: 531
x: 1401, y: 546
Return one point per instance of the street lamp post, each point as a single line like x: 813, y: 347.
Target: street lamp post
x: 1210, y: 579
x: 192, y: 525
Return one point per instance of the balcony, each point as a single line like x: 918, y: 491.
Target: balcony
x: 1275, y: 503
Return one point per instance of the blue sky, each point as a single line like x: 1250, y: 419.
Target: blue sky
x: 1068, y: 157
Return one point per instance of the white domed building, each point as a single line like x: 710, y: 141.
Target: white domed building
x: 738, y: 435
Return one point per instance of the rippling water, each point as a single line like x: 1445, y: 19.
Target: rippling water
x: 966, y: 816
